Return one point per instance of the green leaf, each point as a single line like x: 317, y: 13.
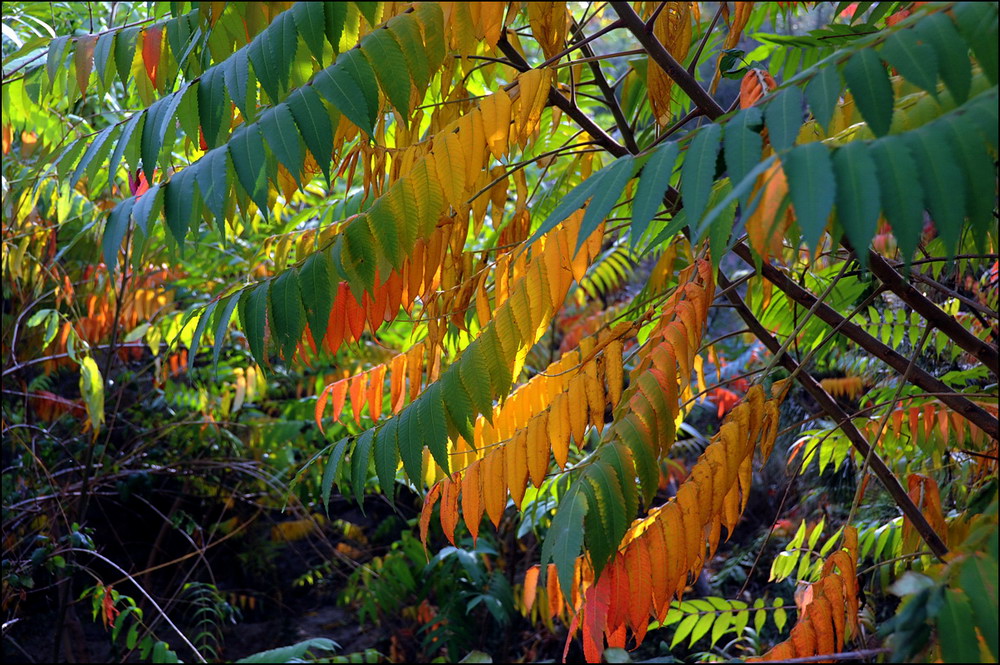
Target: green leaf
x: 124, y: 52
x: 705, y: 622
x: 952, y: 53
x: 295, y: 653
x: 387, y: 457
x: 212, y: 174
x: 179, y: 203
x: 313, y: 122
x: 720, y: 626
x: 148, y: 207
x: 406, y: 30
x: 684, y: 629
x: 360, y: 459
x: 56, y: 57
x: 199, y: 330
x: 386, y: 58
x: 569, y: 204
x: 979, y: 578
x: 336, y: 16
x: 475, y: 377
x: 331, y: 471
x: 618, y: 458
x: 384, y: 229
x: 98, y: 148
x: 869, y: 84
x: 287, y: 313
x: 114, y: 232
x: 432, y: 420
x: 857, y: 196
x: 822, y: 92
x: 212, y: 103
x: 357, y: 256
x: 102, y: 57
x: 977, y: 22
x: 601, y: 543
x: 942, y: 180
x: 900, y: 192
x: 915, y: 60
x: 123, y: 141
x: 698, y: 172
x: 780, y: 615
x: 340, y: 89
x: 370, y: 11
x: 246, y: 148
x: 236, y: 74
x: 956, y: 629
x: 564, y: 541
x: 606, y: 195
x: 278, y: 125
x: 742, y: 146
x: 783, y: 117
x: 272, y: 53
x: 316, y: 286
x: 980, y: 176
x: 152, y: 136
x: 92, y: 391
x: 411, y: 442
x: 461, y: 413
x: 253, y: 319
x: 653, y: 183
x: 310, y: 21
x: 642, y: 455
x: 811, y: 186
x: 223, y: 315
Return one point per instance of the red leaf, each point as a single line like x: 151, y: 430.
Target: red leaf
x: 151, y: 39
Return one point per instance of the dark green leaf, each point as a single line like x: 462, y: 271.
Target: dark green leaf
x: 206, y: 316
x: 123, y: 141
x: 357, y: 256
x: 642, y: 455
x: 653, y: 183
x: 179, y: 204
x: 56, y: 57
x: 411, y: 442
x: 822, y: 92
x: 97, y: 149
x: 287, y: 314
x: 370, y: 11
x: 461, y: 413
x: 336, y: 15
x: 213, y: 180
x: 869, y: 84
x: 148, y: 207
x: 942, y: 180
x: 956, y: 629
x: 742, y: 145
x: 313, y: 122
x: 316, y: 286
x: 978, y: 23
x: 340, y: 89
x: 331, y: 471
x: 102, y: 57
x: 124, y: 52
x: 386, y: 58
x: 432, y: 19
x: 387, y: 456
x: 356, y: 65
x: 223, y: 314
x: 385, y: 231
x: 278, y: 125
x: 272, y: 53
x: 979, y: 578
x: 901, y: 194
x: 432, y: 420
x: 606, y: 194
x: 811, y: 186
x: 152, y: 135
x: 360, y: 459
x: 236, y: 74
x: 253, y: 315
x: 406, y: 30
x: 475, y: 377
x: 698, y: 172
x: 783, y: 117
x: 915, y: 60
x: 212, y: 103
x: 857, y: 196
x: 952, y: 53
x: 246, y: 148
x: 564, y: 541
x: 114, y: 231
x: 310, y: 21
x: 977, y: 165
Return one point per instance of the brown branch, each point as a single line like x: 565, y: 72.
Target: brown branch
x: 951, y: 293
x: 684, y: 79
x: 956, y: 332
x: 972, y: 412
x: 830, y: 406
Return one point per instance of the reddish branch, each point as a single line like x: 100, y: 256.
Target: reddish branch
x: 830, y: 406
x: 971, y: 411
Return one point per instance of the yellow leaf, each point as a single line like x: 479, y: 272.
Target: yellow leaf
x: 549, y: 22
x: 449, y: 162
x: 472, y: 499
x: 672, y: 28
x: 495, y: 111
x: 516, y: 458
x: 559, y: 431
x: 538, y: 447
x: 494, y: 484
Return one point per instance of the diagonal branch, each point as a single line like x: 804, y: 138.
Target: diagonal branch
x: 972, y: 412
x: 956, y: 332
x: 830, y: 406
x: 658, y: 53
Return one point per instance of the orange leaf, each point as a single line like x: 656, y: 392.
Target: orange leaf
x: 357, y: 391
x: 339, y: 393
x: 449, y: 508
x: 375, y: 387
x: 151, y: 39
x: 530, y: 586
x: 472, y: 499
x: 84, y: 60
x: 494, y: 485
x: 425, y: 512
